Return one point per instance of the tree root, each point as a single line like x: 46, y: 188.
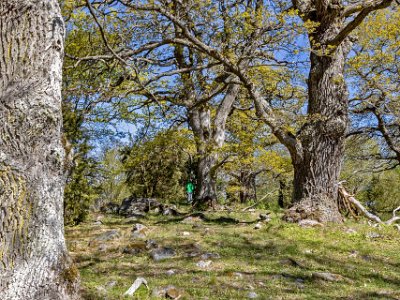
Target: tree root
x: 348, y: 203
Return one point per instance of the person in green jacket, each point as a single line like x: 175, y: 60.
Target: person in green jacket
x: 189, y: 191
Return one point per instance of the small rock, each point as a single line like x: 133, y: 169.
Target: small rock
x: 170, y: 292
x: 265, y: 217
x: 139, y: 227
x: 310, y: 223
x: 210, y: 255
x: 350, y: 231
x: 251, y: 210
x: 170, y: 211
x: 111, y: 284
x: 326, y: 276
x: 373, y: 235
x: 299, y: 280
x: 134, y: 248
x: 139, y: 231
x: 173, y: 293
x: 262, y: 284
x: 162, y: 253
x: 97, y: 223
x: 185, y: 233
x: 109, y: 235
x: 102, y: 248
x: 204, y: 264
x: 238, y: 275
x: 159, y: 293
x: 258, y: 226
x: 353, y: 253
x: 170, y: 272
x: 252, y: 295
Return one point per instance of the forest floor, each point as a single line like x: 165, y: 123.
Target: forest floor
x: 220, y: 258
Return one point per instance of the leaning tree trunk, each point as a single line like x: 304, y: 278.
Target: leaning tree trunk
x: 34, y: 262
x: 316, y: 174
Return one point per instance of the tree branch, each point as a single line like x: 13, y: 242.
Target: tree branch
x: 364, y: 11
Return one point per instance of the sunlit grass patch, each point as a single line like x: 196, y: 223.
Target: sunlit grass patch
x: 277, y: 261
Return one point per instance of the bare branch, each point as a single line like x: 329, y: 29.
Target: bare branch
x: 103, y: 35
x: 347, y: 197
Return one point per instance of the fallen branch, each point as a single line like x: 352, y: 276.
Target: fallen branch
x: 257, y: 202
x: 394, y: 217
x: 350, y: 199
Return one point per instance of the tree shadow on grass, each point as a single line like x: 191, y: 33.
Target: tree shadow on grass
x: 222, y: 220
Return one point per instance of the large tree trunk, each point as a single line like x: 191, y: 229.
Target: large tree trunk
x: 34, y: 262
x: 247, y: 181
x: 206, y: 157
x: 209, y: 134
x: 316, y: 174
x: 206, y: 191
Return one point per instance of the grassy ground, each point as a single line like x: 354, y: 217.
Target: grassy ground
x: 274, y: 262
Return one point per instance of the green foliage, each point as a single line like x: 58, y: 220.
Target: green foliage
x: 157, y: 167
x: 141, y: 82
x: 257, y: 163
x: 363, y: 175
x: 382, y: 194
x: 113, y: 186
x: 80, y: 189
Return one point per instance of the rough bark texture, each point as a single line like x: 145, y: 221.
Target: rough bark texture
x: 317, y: 166
x: 248, y: 189
x: 34, y: 262
x: 322, y: 138
x: 281, y: 195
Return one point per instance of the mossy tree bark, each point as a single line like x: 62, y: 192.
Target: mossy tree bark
x: 34, y: 262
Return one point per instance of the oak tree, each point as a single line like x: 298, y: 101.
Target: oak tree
x: 34, y: 262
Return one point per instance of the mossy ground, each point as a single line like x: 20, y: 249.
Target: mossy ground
x: 370, y: 267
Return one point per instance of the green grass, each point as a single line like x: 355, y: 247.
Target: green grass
x: 370, y: 268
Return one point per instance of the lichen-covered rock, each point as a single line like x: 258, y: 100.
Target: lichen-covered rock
x: 135, y: 207
x: 162, y: 253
